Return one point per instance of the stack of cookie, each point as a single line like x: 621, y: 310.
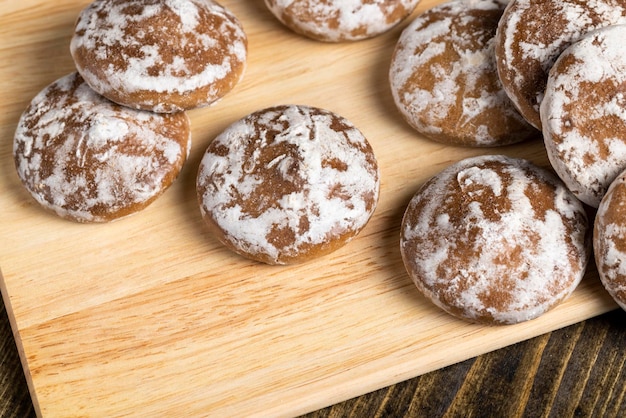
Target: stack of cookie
x: 492, y: 73
x: 105, y: 141
x: 292, y: 182
x: 283, y: 185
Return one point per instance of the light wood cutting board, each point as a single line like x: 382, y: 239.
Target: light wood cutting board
x: 151, y: 316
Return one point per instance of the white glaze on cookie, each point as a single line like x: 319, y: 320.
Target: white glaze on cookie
x: 443, y: 77
x: 90, y: 160
x: 609, y: 240
x: 156, y: 55
x: 495, y: 240
x: 584, y: 113
x: 532, y: 34
x: 345, y: 20
x: 286, y: 181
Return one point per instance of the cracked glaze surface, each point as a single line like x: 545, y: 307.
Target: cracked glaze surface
x: 494, y: 239
x: 163, y: 56
x: 90, y: 160
x: 288, y: 183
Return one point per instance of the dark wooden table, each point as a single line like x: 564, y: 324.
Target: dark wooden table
x: 578, y: 371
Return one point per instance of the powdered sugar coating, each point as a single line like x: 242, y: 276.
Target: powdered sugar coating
x: 159, y: 55
x: 609, y: 240
x: 345, y: 20
x: 288, y: 183
x: 584, y: 113
x: 90, y: 160
x: 496, y: 240
x: 443, y: 77
x: 531, y: 36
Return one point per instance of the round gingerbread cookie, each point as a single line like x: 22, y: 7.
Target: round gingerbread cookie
x: 584, y: 113
x: 287, y: 184
x: 159, y: 55
x: 90, y: 160
x: 345, y: 20
x: 532, y: 34
x: 495, y: 240
x: 609, y: 240
x: 443, y: 77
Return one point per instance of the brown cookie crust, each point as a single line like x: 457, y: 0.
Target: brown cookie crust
x: 495, y: 240
x: 345, y: 20
x: 609, y: 240
x: 444, y: 81
x: 90, y: 160
x: 163, y: 56
x: 532, y: 34
x: 288, y: 184
x: 584, y: 113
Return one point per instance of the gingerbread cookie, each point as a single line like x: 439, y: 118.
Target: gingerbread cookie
x: 495, y: 240
x: 609, y: 240
x: 287, y: 184
x: 443, y: 77
x: 90, y: 160
x: 583, y: 113
x: 532, y: 34
x: 345, y: 20
x: 159, y: 55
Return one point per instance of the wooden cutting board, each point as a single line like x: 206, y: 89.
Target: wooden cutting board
x: 151, y: 316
